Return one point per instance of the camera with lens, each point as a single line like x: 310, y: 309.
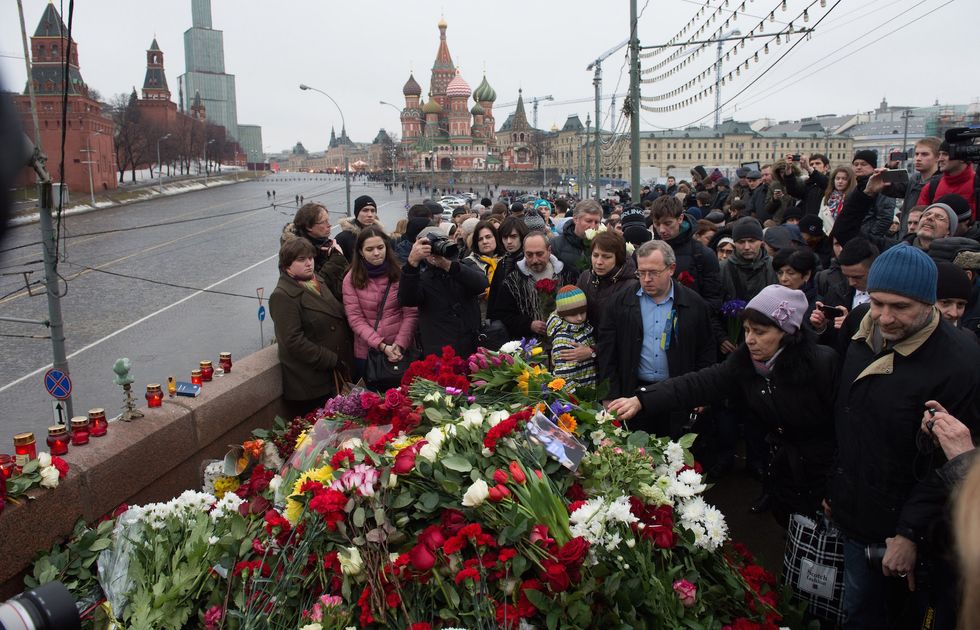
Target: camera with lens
x: 961, y: 143
x: 47, y: 607
x: 443, y: 246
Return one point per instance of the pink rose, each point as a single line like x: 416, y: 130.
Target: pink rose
x: 686, y: 592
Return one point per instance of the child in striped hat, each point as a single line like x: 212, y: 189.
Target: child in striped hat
x: 567, y: 329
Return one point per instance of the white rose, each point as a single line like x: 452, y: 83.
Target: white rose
x: 351, y: 562
x: 630, y: 248
x: 476, y: 494
x: 392, y: 480
x: 435, y: 437
x: 312, y: 626
x: 497, y: 417
x: 44, y: 460
x: 429, y: 453
x: 49, y: 476
x: 590, y: 233
x: 510, y: 346
x: 472, y: 418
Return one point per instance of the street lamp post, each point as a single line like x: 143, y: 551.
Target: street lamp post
x: 159, y: 165
x: 206, y: 159
x: 395, y: 107
x: 304, y: 87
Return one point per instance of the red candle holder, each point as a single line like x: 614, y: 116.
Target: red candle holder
x: 224, y: 361
x: 207, y: 371
x: 196, y: 377
x: 154, y: 395
x: 25, y: 449
x: 3, y: 493
x: 7, y: 466
x: 58, y: 439
x: 80, y: 430
x: 98, y: 425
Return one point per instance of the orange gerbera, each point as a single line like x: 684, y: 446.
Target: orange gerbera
x: 567, y: 423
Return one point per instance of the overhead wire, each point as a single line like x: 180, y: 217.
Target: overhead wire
x: 770, y: 67
x: 160, y: 282
x: 861, y: 38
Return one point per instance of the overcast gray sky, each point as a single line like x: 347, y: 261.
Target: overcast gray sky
x: 361, y: 52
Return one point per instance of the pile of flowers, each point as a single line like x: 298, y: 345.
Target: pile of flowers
x: 45, y: 471
x: 479, y: 494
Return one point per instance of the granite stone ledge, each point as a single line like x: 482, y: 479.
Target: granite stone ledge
x: 149, y: 459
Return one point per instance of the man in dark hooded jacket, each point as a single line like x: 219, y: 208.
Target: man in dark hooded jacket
x: 697, y: 266
x: 569, y: 246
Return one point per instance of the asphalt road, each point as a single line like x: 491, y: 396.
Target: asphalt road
x: 222, y: 239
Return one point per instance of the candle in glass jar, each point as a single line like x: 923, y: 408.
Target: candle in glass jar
x: 196, y: 377
x: 58, y: 439
x: 25, y: 449
x: 207, y: 371
x: 98, y: 425
x: 7, y: 466
x: 224, y: 360
x: 79, y: 430
x: 171, y: 386
x: 154, y: 395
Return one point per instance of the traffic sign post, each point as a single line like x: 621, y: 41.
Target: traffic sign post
x: 57, y: 383
x: 60, y: 410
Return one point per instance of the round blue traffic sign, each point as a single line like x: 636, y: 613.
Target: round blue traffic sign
x: 57, y: 383
x: 261, y: 313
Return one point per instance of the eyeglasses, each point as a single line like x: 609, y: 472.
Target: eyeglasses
x: 651, y: 273
x: 935, y: 216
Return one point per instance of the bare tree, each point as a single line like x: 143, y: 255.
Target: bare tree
x: 129, y: 142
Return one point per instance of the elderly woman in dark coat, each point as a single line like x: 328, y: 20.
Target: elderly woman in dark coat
x: 315, y: 342
x: 787, y: 380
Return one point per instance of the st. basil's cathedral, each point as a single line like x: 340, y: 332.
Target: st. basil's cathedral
x: 444, y: 133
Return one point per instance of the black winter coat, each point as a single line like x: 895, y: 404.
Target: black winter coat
x: 449, y: 305
x: 620, y: 338
x: 809, y: 190
x: 701, y: 263
x: 599, y: 290
x: 570, y: 249
x: 795, y: 406
x: 878, y: 416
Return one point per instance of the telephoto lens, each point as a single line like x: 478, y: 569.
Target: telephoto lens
x: 443, y: 246
x: 47, y: 607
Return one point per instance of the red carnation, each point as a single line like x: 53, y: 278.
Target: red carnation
x: 468, y: 574
x: 507, y: 616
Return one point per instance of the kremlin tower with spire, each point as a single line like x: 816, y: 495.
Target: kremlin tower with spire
x: 445, y: 133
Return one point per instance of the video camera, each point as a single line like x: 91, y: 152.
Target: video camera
x: 962, y: 147
x: 443, y: 246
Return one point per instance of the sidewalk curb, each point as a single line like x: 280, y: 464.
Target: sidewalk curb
x: 175, y: 189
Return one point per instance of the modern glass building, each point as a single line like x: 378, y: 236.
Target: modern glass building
x: 250, y: 137
x: 204, y: 60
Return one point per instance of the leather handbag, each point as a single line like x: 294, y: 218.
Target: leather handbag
x: 378, y: 369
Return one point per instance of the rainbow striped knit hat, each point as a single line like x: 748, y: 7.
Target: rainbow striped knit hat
x: 570, y: 300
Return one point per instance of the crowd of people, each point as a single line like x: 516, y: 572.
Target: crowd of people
x: 823, y: 319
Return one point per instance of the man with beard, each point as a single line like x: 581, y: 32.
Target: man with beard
x: 903, y: 355
x: 520, y: 304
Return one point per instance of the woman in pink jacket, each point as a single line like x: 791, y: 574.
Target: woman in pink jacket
x: 374, y: 271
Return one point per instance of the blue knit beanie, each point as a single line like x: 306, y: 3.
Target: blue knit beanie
x: 904, y: 270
